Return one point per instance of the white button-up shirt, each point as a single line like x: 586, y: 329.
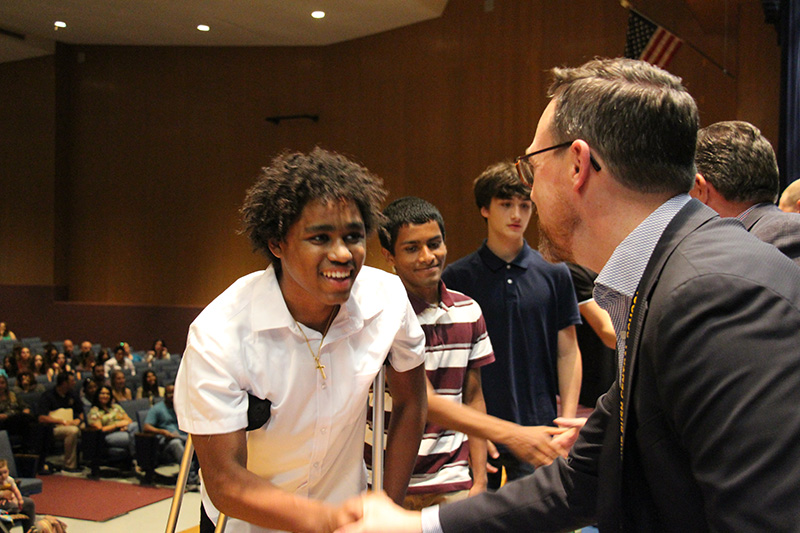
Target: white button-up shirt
x: 247, y: 341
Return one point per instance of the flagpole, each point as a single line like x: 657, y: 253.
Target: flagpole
x: 627, y: 5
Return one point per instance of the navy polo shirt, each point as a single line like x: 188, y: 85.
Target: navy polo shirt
x: 525, y: 304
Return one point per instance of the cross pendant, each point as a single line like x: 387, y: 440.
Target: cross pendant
x: 321, y: 369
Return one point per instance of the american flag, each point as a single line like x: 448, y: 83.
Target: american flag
x: 649, y: 42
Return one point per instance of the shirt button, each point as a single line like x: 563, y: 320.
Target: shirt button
x: 509, y: 281
x: 324, y: 430
x: 316, y: 465
x: 324, y: 385
x: 508, y: 267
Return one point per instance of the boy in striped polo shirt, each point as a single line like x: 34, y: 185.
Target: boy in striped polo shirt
x: 456, y: 346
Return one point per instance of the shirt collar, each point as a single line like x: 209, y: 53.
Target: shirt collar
x: 495, y: 263
x: 270, y: 311
x: 624, y: 269
x: 419, y: 305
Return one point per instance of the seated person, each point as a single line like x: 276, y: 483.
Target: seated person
x: 120, y: 391
x: 12, y: 501
x: 61, y: 408
x: 158, y: 352
x: 86, y: 365
x: 24, y: 359
x: 5, y: 333
x: 59, y: 365
x: 109, y: 417
x: 99, y: 374
x: 162, y: 421
x: 150, y: 388
x: 120, y: 361
x: 26, y: 382
x: 88, y: 392
x: 10, y: 365
x: 15, y: 416
x: 39, y: 365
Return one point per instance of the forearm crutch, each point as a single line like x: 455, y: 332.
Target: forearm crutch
x: 180, y: 487
x: 378, y: 390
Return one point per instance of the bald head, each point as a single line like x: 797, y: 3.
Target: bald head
x: 790, y: 199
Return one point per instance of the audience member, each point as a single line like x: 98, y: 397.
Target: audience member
x: 119, y: 390
x: 40, y: 366
x: 26, y: 382
x: 10, y: 365
x: 700, y: 432
x: 58, y: 366
x: 150, y: 388
x: 790, y: 199
x: 737, y: 176
x: 109, y: 417
x: 128, y: 350
x: 456, y: 347
x: 12, y: 500
x: 336, y: 322
x: 69, y: 349
x: 119, y: 362
x: 5, y: 333
x: 86, y: 351
x: 88, y: 391
x: 103, y: 356
x: 15, y: 415
x: 530, y: 311
x: 162, y: 421
x: 99, y: 374
x: 61, y: 408
x: 596, y: 338
x: 158, y: 352
x: 86, y: 366
x: 24, y: 360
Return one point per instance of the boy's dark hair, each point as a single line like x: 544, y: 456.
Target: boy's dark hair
x: 499, y: 180
x: 63, y: 377
x: 403, y: 211
x: 292, y: 180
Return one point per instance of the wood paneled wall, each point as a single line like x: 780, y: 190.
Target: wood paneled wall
x: 123, y: 167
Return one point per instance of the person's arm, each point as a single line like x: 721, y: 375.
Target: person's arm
x: 409, y: 407
x: 600, y: 322
x: 569, y: 371
x: 158, y: 431
x: 17, y: 493
x: 529, y: 443
x: 473, y: 398
x: 242, y: 494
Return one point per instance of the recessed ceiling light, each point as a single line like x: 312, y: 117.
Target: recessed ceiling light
x: 59, y: 24
x: 318, y: 14
x: 203, y: 27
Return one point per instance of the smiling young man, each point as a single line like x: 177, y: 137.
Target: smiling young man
x: 456, y: 348
x: 309, y: 334
x: 530, y: 311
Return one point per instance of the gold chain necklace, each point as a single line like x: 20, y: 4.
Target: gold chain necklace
x: 320, y: 366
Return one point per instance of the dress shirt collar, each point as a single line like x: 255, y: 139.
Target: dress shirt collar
x: 270, y: 311
x: 624, y: 269
x: 495, y: 263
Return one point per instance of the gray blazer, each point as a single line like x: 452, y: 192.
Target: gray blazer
x: 780, y: 229
x: 710, y: 422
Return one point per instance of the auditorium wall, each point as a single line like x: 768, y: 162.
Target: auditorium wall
x: 123, y: 167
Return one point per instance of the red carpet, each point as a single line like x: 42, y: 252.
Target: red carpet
x: 98, y: 501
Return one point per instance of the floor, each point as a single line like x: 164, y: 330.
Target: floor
x: 151, y: 518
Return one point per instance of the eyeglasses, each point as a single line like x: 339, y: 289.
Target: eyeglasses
x: 525, y: 168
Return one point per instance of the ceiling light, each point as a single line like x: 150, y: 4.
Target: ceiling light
x: 203, y: 27
x: 318, y: 14
x: 59, y: 24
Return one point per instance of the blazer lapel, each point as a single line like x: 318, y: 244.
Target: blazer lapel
x: 690, y: 217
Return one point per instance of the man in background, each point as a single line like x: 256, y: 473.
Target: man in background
x: 790, y: 199
x: 530, y: 311
x: 737, y: 176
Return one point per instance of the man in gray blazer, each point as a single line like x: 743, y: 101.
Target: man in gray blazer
x: 737, y: 176
x: 700, y: 430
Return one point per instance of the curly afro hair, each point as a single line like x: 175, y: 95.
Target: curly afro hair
x: 292, y: 180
